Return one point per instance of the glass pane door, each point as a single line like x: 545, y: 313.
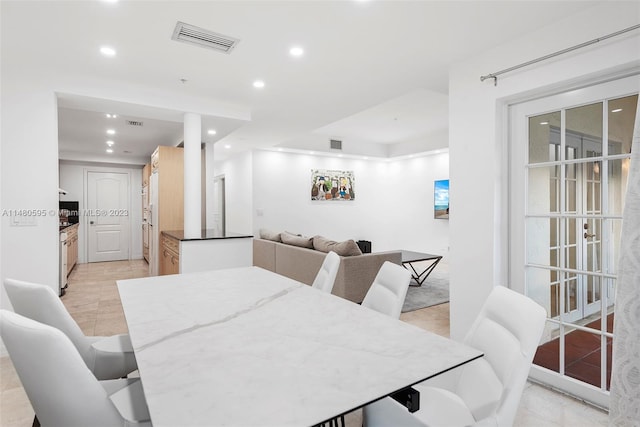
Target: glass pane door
x: 569, y: 166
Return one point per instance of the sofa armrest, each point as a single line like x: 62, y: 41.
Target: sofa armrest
x: 264, y: 254
x: 356, y: 273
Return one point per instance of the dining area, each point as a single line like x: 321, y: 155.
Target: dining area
x: 246, y: 346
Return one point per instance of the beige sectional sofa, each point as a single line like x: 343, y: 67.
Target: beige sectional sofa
x: 354, y: 278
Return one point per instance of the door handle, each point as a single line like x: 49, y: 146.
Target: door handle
x: 587, y: 235
x: 91, y: 222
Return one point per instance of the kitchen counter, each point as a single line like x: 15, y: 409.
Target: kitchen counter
x: 212, y: 250
x: 207, y: 234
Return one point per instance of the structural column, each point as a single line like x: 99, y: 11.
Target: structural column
x: 192, y: 175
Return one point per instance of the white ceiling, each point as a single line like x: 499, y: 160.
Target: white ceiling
x: 373, y: 72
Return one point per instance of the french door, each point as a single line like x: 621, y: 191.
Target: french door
x: 569, y: 160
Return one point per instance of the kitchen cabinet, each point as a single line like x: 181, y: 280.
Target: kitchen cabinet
x: 166, y: 202
x: 170, y: 255
x: 72, y: 246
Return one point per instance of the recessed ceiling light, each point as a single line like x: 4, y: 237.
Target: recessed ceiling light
x: 617, y: 110
x: 296, y: 51
x: 258, y: 84
x: 227, y: 146
x: 109, y: 150
x: 280, y: 149
x: 108, y: 51
x: 312, y: 152
x: 544, y: 123
x: 111, y: 131
x: 212, y: 132
x: 109, y: 143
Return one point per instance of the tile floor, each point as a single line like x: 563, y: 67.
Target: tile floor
x: 93, y: 301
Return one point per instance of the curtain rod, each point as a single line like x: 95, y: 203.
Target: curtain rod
x: 495, y: 75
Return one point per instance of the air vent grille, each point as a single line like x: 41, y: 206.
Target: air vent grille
x: 197, y: 36
x: 336, y: 144
x: 134, y: 123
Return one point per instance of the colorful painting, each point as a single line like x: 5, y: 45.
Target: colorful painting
x: 441, y: 199
x: 332, y: 185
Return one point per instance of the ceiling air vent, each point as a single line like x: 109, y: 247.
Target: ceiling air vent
x: 335, y: 144
x: 204, y: 38
x: 134, y: 123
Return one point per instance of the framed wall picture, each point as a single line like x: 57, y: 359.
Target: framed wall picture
x: 441, y: 199
x: 332, y: 185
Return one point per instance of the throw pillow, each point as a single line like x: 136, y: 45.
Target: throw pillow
x: 270, y: 235
x: 291, y: 239
x: 346, y: 248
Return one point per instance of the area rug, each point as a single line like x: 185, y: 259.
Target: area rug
x: 434, y: 291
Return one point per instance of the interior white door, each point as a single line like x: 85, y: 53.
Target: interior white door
x: 107, y: 216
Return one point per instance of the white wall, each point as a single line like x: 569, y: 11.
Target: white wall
x: 238, y: 174
x: 393, y: 206
x: 73, y: 180
x: 478, y: 142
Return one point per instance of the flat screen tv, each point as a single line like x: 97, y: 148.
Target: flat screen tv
x: 441, y: 199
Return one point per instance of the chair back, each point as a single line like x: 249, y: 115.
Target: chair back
x: 40, y: 303
x: 60, y: 387
x: 389, y: 289
x: 508, y: 331
x: 326, y: 276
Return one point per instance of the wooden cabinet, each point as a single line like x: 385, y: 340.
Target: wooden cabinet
x: 166, y: 201
x: 169, y: 255
x: 146, y: 173
x: 72, y: 247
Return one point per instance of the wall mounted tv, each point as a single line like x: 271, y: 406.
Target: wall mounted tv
x: 441, y: 199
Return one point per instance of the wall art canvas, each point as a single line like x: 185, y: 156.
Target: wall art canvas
x: 332, y: 185
x: 441, y: 199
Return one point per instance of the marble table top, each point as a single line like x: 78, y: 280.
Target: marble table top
x: 248, y: 347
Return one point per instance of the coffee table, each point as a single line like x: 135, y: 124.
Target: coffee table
x: 410, y: 257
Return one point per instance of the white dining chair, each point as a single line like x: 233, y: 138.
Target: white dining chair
x: 107, y: 357
x: 326, y: 276
x: 60, y: 387
x: 486, y: 391
x: 389, y: 289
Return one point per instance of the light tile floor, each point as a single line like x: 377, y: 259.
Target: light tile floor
x: 92, y: 299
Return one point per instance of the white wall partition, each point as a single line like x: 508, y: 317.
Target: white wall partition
x: 478, y: 143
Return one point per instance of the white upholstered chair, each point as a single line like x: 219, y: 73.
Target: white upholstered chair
x: 389, y: 289
x: 107, y: 357
x: 326, y: 276
x: 486, y: 391
x: 60, y: 387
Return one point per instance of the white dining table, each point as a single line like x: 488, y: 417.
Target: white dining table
x: 248, y: 347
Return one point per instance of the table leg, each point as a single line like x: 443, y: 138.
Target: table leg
x: 421, y: 277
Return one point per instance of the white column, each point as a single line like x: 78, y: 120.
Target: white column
x: 192, y: 175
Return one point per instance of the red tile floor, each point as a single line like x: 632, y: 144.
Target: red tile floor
x: 582, y: 354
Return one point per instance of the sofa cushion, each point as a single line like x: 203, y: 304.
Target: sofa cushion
x: 346, y: 248
x: 270, y: 235
x: 302, y: 241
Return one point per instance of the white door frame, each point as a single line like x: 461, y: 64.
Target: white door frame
x: 85, y: 218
